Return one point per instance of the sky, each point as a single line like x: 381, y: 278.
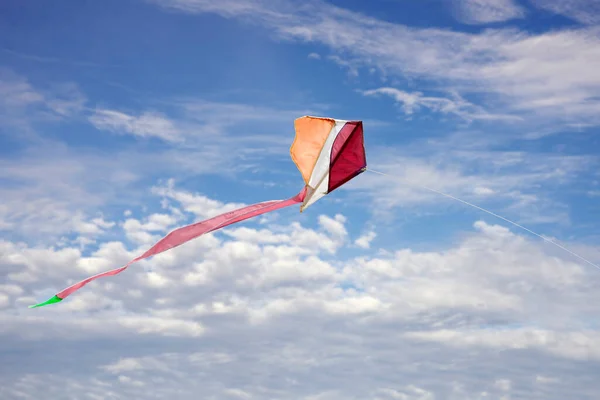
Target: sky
x: 121, y: 120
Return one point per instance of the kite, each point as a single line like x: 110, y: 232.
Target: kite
x: 328, y: 153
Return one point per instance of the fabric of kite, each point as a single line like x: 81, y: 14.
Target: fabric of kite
x: 328, y: 153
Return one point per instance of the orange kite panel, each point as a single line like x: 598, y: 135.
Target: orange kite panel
x: 311, y: 134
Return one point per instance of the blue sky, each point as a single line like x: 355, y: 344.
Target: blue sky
x: 121, y: 120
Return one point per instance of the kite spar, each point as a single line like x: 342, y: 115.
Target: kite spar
x: 328, y: 153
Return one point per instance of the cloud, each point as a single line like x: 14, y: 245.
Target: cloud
x: 488, y: 11
x: 17, y: 91
x: 550, y: 77
x: 583, y: 11
x: 147, y: 124
x: 413, y: 101
x: 221, y: 129
x: 334, y: 226
x: 579, y: 345
x: 594, y: 193
x: 22, y: 104
x: 364, y: 241
x: 202, y: 206
x: 142, y: 232
x: 435, y: 312
x: 67, y: 100
x: 350, y: 66
x: 51, y: 190
x: 515, y: 184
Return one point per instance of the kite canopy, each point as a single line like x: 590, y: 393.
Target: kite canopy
x: 328, y: 153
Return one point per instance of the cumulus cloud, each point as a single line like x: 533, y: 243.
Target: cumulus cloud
x: 364, y: 241
x: 202, y: 206
x: 334, y: 226
x: 257, y: 298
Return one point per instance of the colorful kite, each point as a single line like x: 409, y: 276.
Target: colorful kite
x: 328, y: 152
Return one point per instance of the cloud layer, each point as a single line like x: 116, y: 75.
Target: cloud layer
x: 267, y: 310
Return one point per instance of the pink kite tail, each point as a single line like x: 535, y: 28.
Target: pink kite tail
x: 186, y: 233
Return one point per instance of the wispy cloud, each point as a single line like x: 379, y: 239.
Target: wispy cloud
x: 584, y: 11
x: 147, y: 124
x: 550, y: 76
x: 594, y: 193
x: 51, y: 189
x: 487, y: 11
x: 522, y: 184
x: 413, y: 101
x: 22, y: 104
x: 199, y: 123
x: 349, y: 66
x: 17, y: 91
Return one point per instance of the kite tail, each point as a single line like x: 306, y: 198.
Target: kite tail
x: 184, y: 234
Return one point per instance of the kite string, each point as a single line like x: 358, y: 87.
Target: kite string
x: 491, y: 213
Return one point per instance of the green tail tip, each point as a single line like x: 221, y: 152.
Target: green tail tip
x: 53, y: 300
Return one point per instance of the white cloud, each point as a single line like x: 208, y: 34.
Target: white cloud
x: 147, y: 124
x: 132, y: 364
x: 142, y: 232
x: 584, y: 11
x: 483, y: 191
x: 365, y: 240
x: 350, y: 66
x: 410, y: 392
x: 458, y: 106
x: 334, y: 226
x: 503, y: 384
x: 52, y: 189
x: 202, y: 206
x: 4, y: 300
x: 545, y: 379
x: 237, y: 394
x: 549, y: 77
x: 488, y: 11
x: 516, y: 184
x: 16, y: 91
x: 579, y: 345
x: 275, y: 285
x: 67, y: 100
x: 22, y: 104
